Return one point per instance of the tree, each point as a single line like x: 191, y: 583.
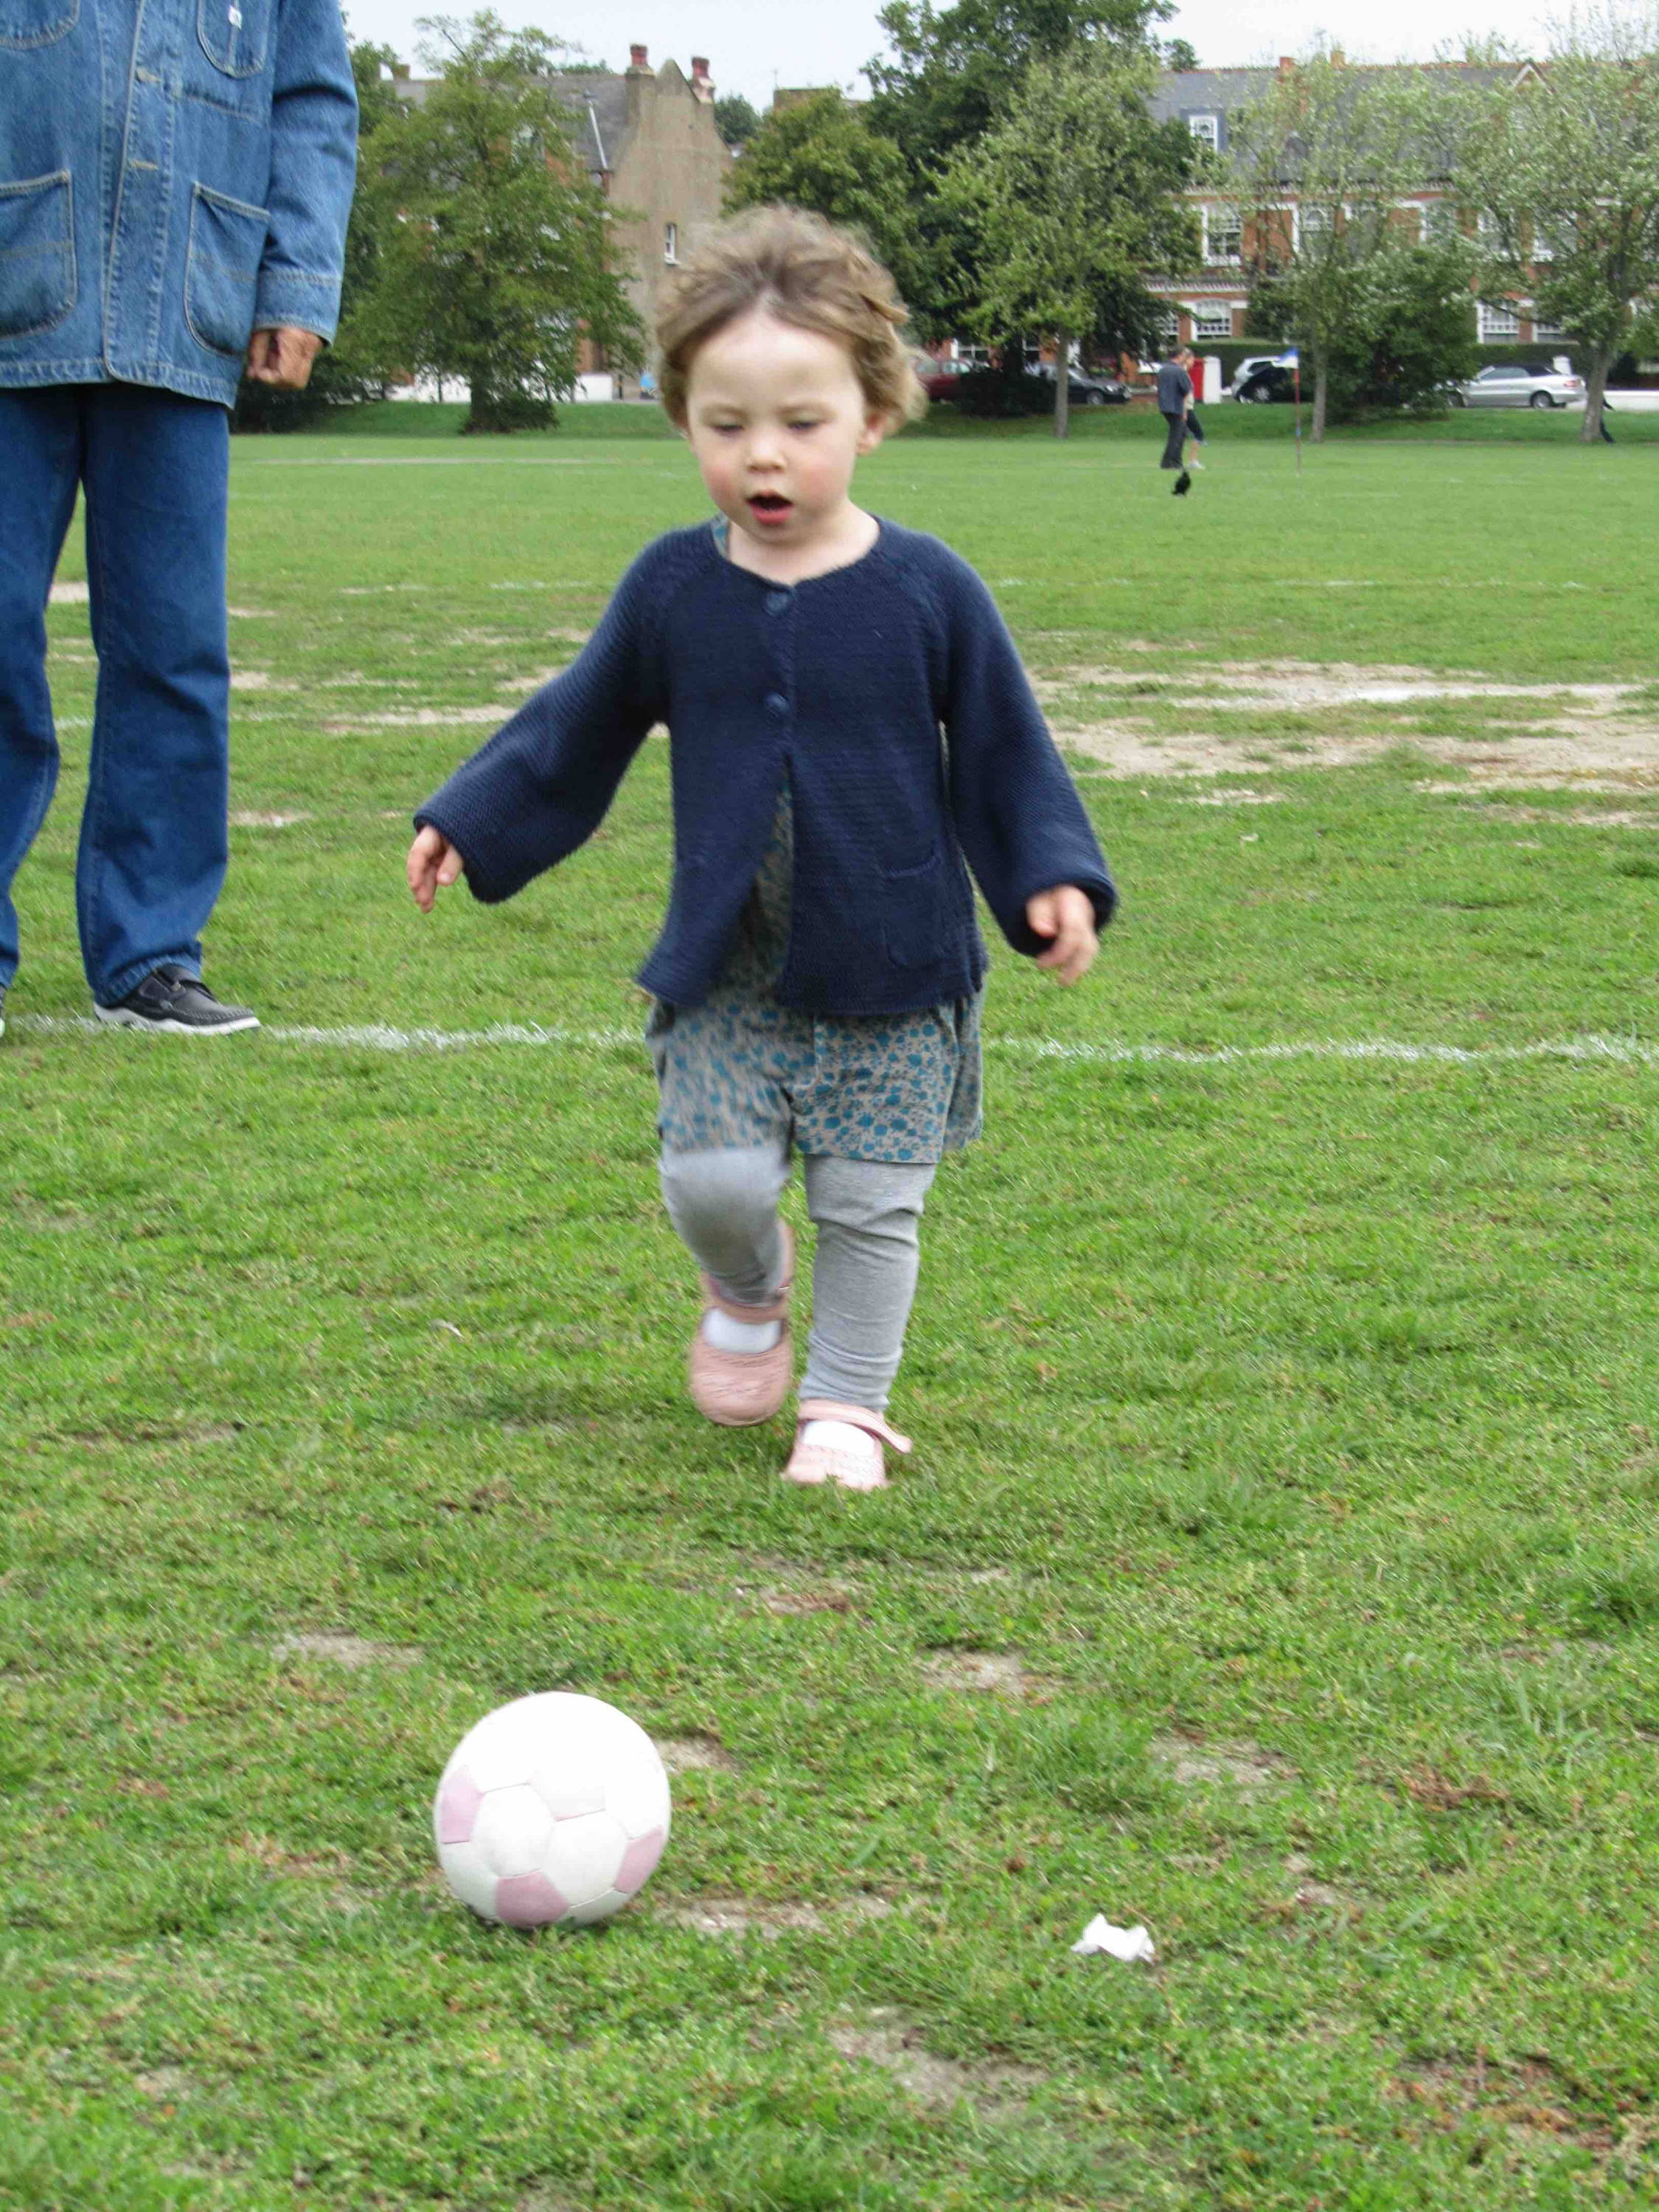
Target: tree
x: 1319, y: 167
x: 1409, y: 331
x: 1563, y: 170
x: 1074, y: 193
x: 819, y: 153
x: 736, y: 120
x: 953, y: 71
x: 492, y: 261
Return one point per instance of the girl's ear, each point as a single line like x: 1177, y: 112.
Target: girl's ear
x: 877, y: 424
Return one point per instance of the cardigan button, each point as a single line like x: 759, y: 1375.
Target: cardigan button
x: 776, y: 705
x: 776, y: 602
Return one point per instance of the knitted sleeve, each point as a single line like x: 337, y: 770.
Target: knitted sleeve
x: 542, y: 785
x: 1021, y: 823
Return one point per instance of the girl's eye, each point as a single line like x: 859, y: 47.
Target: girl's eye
x: 803, y: 426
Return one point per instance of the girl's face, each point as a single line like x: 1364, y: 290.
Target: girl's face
x: 777, y: 418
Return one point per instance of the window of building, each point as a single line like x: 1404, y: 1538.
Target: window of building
x: 1212, y: 321
x: 1206, y: 128
x: 1223, y: 235
x: 1311, y: 222
x: 671, y: 243
x: 1540, y: 329
x: 1496, y: 323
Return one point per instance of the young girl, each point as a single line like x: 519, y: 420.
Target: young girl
x: 849, y: 724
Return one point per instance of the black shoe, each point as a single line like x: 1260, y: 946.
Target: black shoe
x: 175, y: 1003
x: 1183, y: 484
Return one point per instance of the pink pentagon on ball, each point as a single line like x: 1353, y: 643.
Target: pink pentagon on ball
x: 638, y: 1859
x: 528, y: 1900
x: 458, y: 1807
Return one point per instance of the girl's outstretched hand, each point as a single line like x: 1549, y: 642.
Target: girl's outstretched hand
x: 1067, y: 916
x: 433, y: 863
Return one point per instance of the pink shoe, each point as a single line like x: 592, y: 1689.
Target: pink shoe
x: 737, y: 1388
x: 816, y: 1464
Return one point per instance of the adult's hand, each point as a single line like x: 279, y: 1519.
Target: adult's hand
x: 282, y: 358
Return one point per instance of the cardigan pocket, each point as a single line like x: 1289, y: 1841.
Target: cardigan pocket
x: 913, y: 913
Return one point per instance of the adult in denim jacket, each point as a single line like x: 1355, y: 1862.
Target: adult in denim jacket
x: 175, y: 177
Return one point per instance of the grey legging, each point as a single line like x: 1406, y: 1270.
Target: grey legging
x: 725, y: 1207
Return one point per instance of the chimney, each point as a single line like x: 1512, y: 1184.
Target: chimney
x: 636, y: 58
x: 699, y: 69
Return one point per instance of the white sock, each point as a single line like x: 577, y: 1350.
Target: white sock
x: 841, y: 1436
x: 728, y: 1335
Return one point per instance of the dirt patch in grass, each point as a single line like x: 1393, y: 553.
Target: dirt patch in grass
x: 683, y: 1755
x: 1000, y: 1673
x: 739, y: 1915
x: 799, y: 1604
x: 342, y: 1650
x: 1582, y: 817
x: 1531, y: 2100
x: 884, y: 2038
x: 1206, y: 1766
x: 1572, y: 732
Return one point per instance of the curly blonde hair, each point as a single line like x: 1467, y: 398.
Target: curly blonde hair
x: 803, y: 270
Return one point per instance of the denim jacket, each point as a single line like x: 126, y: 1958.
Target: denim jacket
x: 173, y: 175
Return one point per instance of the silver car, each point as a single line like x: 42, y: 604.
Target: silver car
x: 1507, y: 385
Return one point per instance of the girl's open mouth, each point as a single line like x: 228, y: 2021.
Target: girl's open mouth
x: 770, y: 507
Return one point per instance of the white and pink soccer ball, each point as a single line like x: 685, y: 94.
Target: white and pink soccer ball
x: 554, y: 1808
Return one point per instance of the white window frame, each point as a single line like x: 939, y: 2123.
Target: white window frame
x: 1211, y: 311
x: 1217, y: 218
x: 1490, y: 323
x: 671, y: 244
x: 1206, y: 129
x: 1541, y: 332
x: 1299, y: 223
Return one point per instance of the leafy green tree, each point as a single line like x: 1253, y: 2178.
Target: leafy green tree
x: 735, y: 118
x: 819, y: 153
x: 1409, y: 331
x: 953, y: 71
x: 1074, y: 192
x: 491, y: 262
x: 1345, y: 145
x: 1563, y: 171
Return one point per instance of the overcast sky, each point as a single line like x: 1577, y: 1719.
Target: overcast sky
x: 754, y: 45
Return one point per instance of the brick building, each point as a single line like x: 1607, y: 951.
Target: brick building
x: 1208, y: 304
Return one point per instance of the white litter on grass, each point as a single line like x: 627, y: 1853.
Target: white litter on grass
x: 1132, y: 1945
x: 380, y: 1036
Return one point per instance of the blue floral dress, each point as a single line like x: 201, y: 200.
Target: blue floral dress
x: 741, y: 1070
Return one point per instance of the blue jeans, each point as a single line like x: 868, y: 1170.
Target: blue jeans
x: 154, y: 467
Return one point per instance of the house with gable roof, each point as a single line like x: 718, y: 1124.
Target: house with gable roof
x: 647, y: 138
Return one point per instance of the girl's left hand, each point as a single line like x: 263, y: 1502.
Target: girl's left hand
x: 1068, y: 915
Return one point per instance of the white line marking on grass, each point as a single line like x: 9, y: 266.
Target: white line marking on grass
x: 381, y: 1037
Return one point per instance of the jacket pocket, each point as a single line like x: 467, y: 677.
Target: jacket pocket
x: 234, y: 33
x: 913, y: 914
x: 36, y: 255
x: 36, y: 22
x: 226, y: 244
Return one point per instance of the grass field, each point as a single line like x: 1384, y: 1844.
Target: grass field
x: 1277, y: 1563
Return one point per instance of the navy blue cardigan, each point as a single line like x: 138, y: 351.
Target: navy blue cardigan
x: 841, y: 684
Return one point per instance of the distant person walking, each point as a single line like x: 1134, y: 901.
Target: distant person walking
x: 1175, y: 404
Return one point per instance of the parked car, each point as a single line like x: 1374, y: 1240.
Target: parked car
x: 1537, y: 384
x: 1271, y: 380
x: 1245, y: 371
x: 940, y: 380
x: 1087, y: 391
